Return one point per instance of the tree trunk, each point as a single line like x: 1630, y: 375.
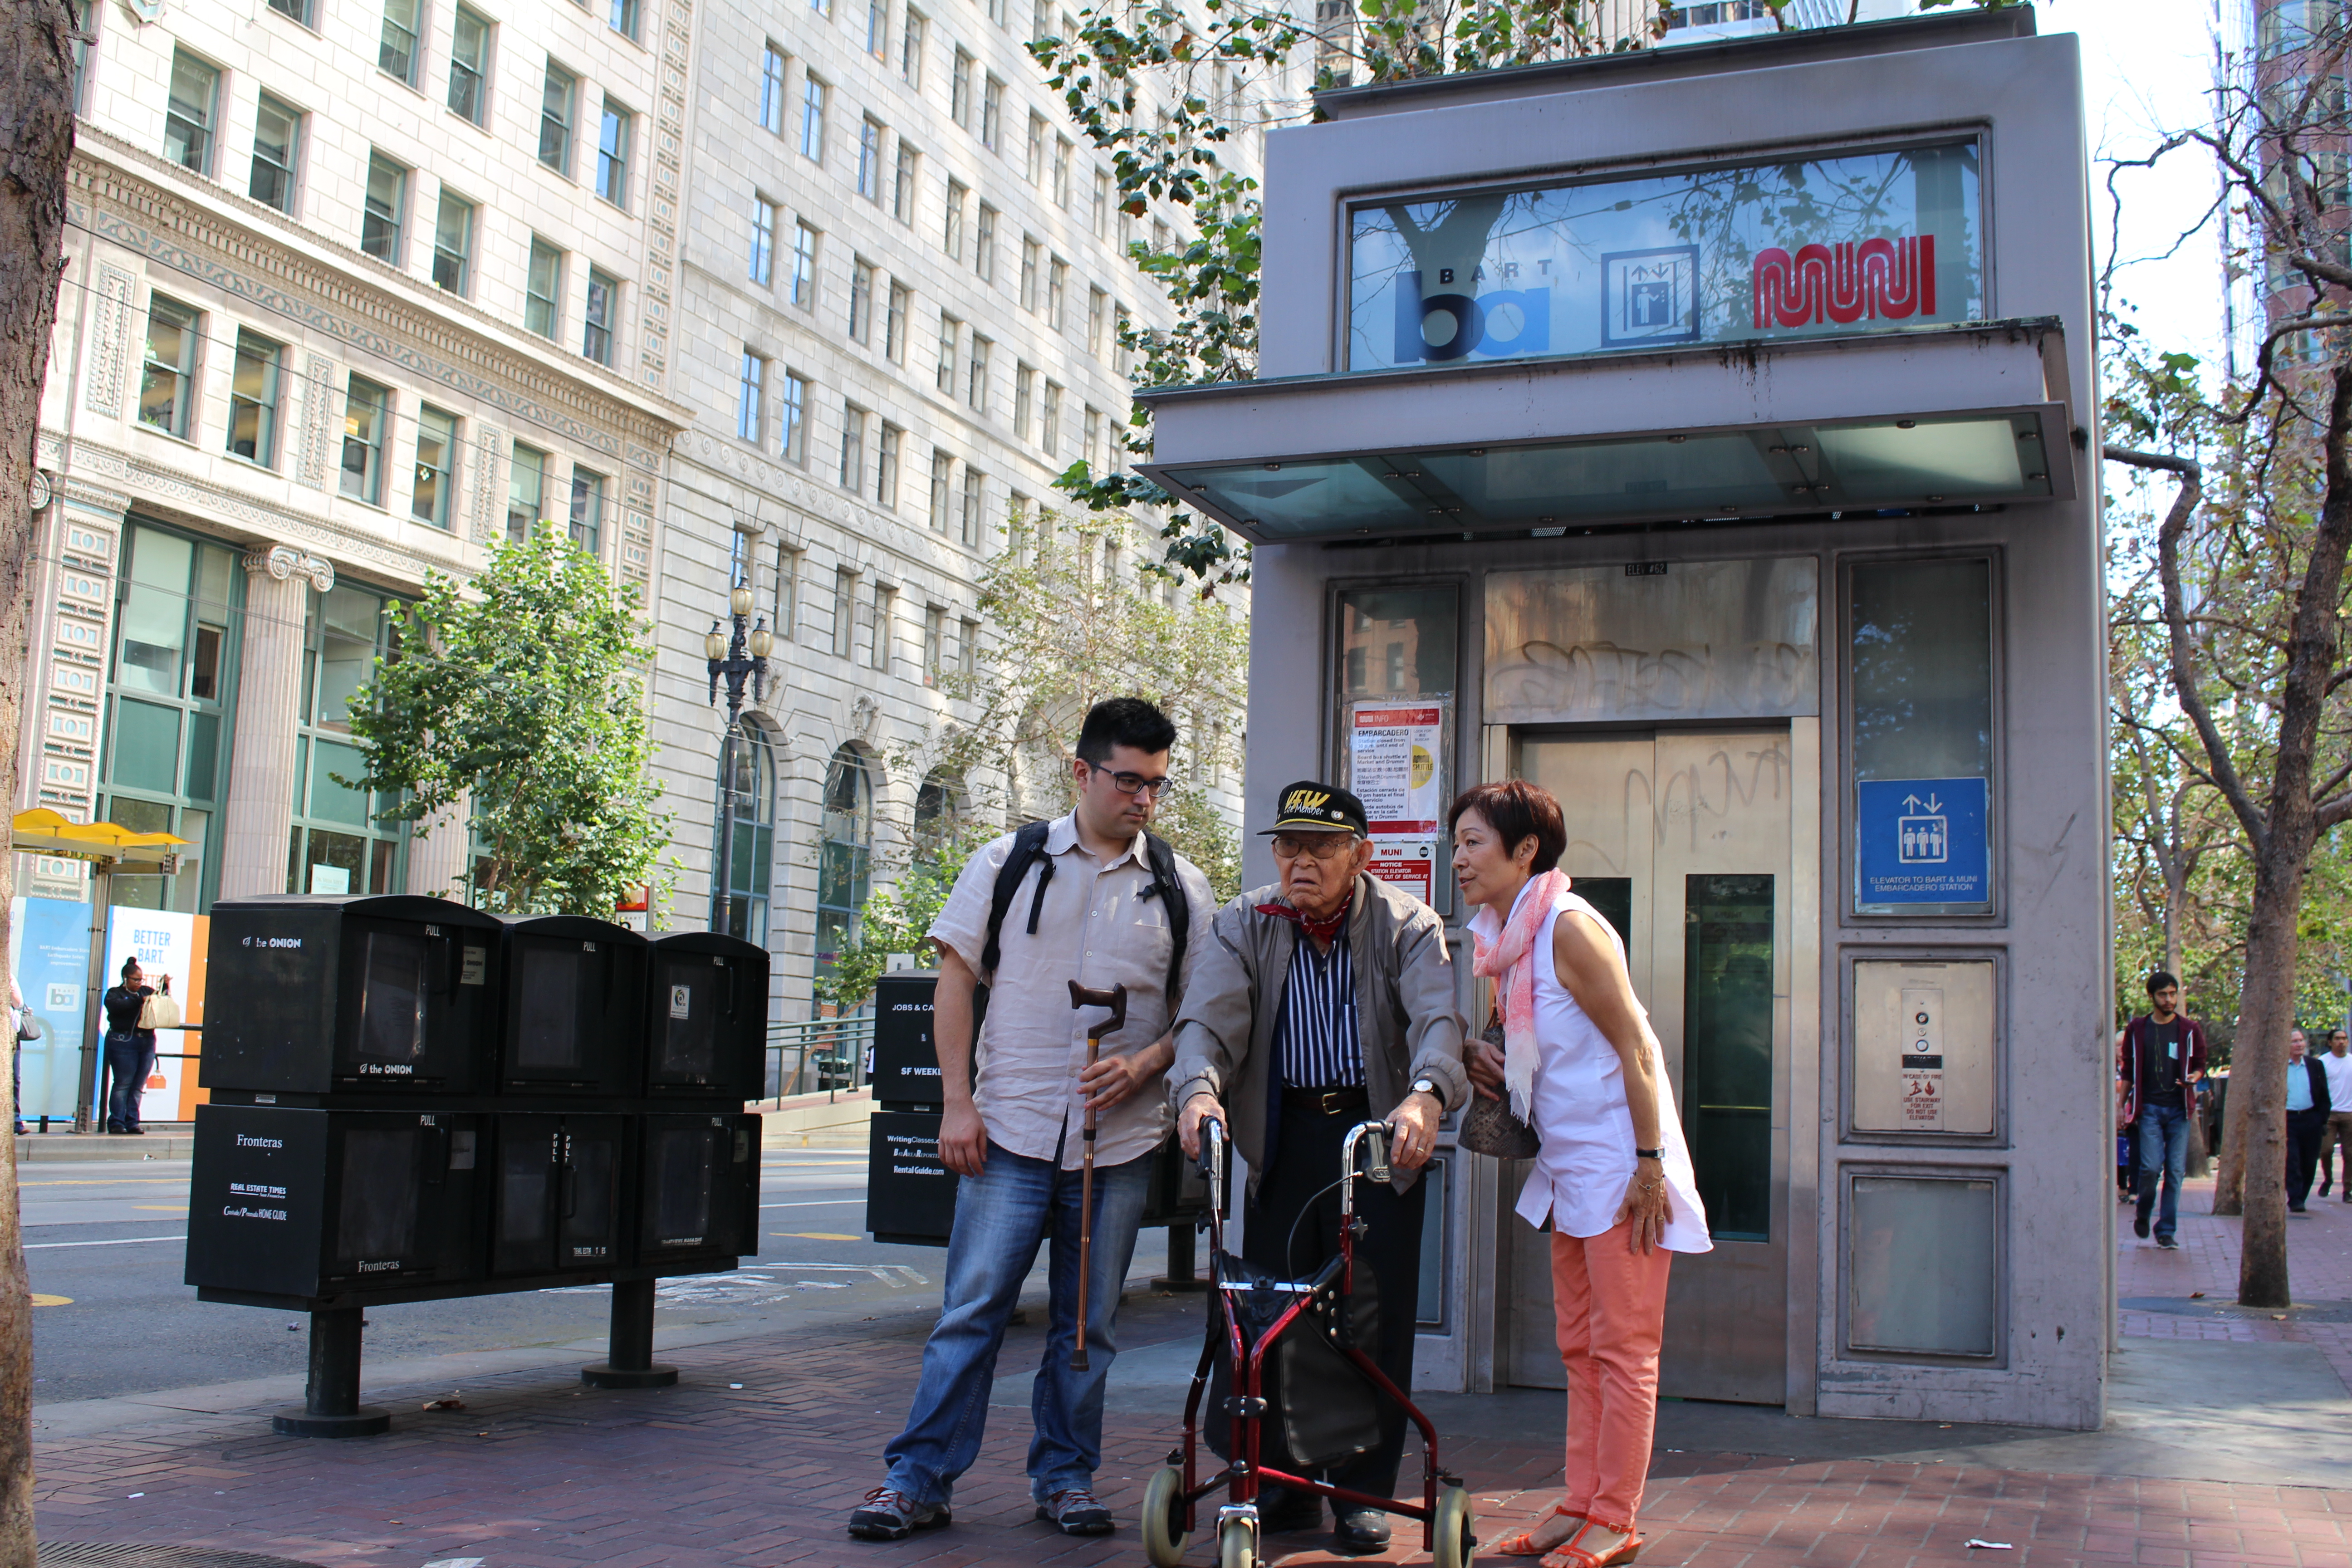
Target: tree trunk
x: 2258, y: 1072
x: 36, y: 132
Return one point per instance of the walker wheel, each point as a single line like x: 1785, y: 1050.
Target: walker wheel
x: 1236, y: 1545
x: 1452, y: 1544
x: 1163, y: 1518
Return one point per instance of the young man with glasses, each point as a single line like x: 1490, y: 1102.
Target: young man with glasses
x: 1322, y: 1001
x: 1092, y: 899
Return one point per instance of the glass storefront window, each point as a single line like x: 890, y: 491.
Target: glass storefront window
x: 1920, y: 726
x: 846, y: 855
x: 338, y: 844
x: 749, y: 802
x: 1799, y: 246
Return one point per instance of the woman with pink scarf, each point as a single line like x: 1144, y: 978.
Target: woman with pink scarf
x: 1613, y: 1183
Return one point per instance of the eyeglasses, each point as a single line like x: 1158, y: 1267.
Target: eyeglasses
x: 1321, y: 846
x: 1136, y: 784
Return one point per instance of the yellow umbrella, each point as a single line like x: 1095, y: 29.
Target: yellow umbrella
x: 41, y: 831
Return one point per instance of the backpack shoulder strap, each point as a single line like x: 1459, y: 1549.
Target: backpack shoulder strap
x: 1028, y: 845
x: 1169, y: 889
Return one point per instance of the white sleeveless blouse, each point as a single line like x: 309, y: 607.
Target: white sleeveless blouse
x: 1582, y: 1115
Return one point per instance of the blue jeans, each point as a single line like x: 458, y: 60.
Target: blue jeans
x: 128, y: 1060
x: 1001, y: 1214
x: 2163, y: 1153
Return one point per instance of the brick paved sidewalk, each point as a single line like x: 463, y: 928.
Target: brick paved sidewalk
x: 537, y: 1473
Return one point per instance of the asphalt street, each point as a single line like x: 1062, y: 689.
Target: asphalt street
x: 104, y: 1245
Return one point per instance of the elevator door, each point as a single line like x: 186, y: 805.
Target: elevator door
x: 1681, y: 838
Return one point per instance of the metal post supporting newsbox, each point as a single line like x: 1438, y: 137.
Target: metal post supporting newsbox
x: 629, y: 1354
x: 331, y: 1404
x: 1181, y: 1276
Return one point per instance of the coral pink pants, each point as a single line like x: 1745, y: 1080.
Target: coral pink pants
x: 1611, y: 1301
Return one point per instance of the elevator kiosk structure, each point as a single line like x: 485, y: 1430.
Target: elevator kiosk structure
x: 1709, y: 433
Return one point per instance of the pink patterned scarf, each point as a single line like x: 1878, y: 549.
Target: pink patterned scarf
x: 1515, y: 982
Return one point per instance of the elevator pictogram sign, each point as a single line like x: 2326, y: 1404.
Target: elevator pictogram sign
x: 1922, y: 841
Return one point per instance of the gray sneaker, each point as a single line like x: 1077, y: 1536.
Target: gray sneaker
x: 1075, y: 1512
x: 888, y: 1514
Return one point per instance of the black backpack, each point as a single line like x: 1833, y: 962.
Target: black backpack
x: 1029, y: 845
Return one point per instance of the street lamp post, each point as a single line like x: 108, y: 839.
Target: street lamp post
x: 744, y: 656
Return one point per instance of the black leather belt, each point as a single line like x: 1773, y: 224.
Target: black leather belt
x: 1326, y: 1102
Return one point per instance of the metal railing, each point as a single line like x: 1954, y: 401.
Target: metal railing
x: 822, y: 1053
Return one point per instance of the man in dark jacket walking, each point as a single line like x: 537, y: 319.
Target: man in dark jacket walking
x: 2306, y: 1117
x: 2160, y: 1055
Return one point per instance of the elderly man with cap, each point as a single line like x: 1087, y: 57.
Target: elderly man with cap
x: 1326, y: 1000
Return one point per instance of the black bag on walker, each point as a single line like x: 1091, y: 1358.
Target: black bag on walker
x: 1320, y: 1411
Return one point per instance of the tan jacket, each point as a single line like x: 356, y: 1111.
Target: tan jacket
x: 1406, y: 1016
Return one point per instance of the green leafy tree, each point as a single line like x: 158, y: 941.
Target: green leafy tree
x: 517, y: 701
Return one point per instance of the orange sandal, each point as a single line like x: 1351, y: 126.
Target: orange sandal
x: 1574, y: 1556
x: 1523, y: 1544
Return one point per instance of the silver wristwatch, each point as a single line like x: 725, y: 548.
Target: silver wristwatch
x: 1424, y: 1085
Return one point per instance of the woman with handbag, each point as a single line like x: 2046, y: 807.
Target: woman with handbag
x: 1612, y: 1181
x: 130, y: 1026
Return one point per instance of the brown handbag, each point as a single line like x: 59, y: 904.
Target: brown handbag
x: 1488, y: 1127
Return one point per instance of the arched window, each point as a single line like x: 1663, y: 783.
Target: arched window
x: 845, y: 857
x: 747, y: 805
x: 938, y: 810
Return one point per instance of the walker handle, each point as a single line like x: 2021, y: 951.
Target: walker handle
x: 1212, y: 1162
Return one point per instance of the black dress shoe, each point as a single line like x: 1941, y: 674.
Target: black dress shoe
x: 1360, y: 1530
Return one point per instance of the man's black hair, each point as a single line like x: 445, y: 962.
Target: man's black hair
x: 2159, y: 979
x: 1123, y: 722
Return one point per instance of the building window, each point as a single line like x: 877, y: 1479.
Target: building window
x: 886, y: 477
x: 1049, y: 423
x: 968, y: 648
x: 959, y: 90
x: 878, y: 28
x: 996, y: 13
x: 385, y: 210
x: 910, y: 48
x: 612, y: 155
x: 526, y: 491
x: 1058, y: 292
x: 171, y: 708
x: 788, y: 593
x: 772, y: 90
x: 1031, y: 255
x: 882, y: 648
x: 751, y: 394
x: 453, y: 243
x: 1089, y: 438
x: 844, y: 610
x: 972, y: 517
x: 1032, y: 166
x: 367, y: 409
x: 588, y: 510
x: 792, y: 413
x: 804, y: 241
x: 952, y: 236
x: 436, y: 466
x: 992, y: 114
x: 975, y: 392
x: 846, y: 853
x: 396, y: 51
x: 950, y: 328
x: 293, y: 10
x: 558, y: 103
x: 749, y: 804
x: 869, y: 161
x: 190, y: 113
x: 853, y: 449
x: 1121, y: 360
x: 763, y: 241
x: 984, y: 251
x: 902, y: 185
x: 469, y: 66
x: 942, y: 496
x: 813, y: 121
x: 894, y: 323
x: 168, y: 385
x: 1062, y: 150
x: 604, y: 310
x: 822, y: 7
x: 1098, y: 308
x: 623, y: 17
x: 339, y: 844
x: 253, y: 398
x: 542, y: 310
x: 1100, y: 222
x: 861, y: 299
x: 935, y: 657
x: 277, y: 153
x: 1024, y: 398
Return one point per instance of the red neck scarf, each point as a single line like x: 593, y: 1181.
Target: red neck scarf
x: 1321, y: 931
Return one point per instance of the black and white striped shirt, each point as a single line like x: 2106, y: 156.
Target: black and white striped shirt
x: 1318, y: 1047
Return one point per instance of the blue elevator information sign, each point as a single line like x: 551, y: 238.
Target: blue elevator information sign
x: 1922, y: 841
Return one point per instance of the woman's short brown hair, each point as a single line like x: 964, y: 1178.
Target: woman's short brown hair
x: 1517, y: 810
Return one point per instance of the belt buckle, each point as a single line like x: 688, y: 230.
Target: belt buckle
x: 1332, y: 1100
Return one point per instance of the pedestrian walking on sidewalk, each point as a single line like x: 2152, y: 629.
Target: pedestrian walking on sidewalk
x: 2160, y: 1055
x: 2307, y: 1106
x: 2337, y: 1064
x: 1612, y: 1181
x: 1323, y: 1000
x: 1096, y: 900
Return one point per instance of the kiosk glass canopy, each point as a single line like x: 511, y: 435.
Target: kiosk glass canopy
x: 1843, y: 242
x: 1987, y: 457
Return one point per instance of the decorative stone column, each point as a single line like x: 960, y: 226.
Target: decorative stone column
x: 260, y: 807
x: 437, y: 863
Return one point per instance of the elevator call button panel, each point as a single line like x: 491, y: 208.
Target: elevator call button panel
x: 1923, y: 1048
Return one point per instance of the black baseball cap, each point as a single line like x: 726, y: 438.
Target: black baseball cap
x: 1314, y: 808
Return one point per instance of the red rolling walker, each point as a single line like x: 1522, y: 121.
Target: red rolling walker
x: 1174, y: 1492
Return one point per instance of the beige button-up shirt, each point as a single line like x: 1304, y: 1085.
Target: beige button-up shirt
x: 1095, y: 928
